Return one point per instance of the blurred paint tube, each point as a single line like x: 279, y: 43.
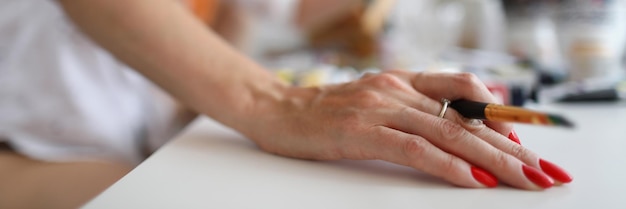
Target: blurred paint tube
x: 583, y: 91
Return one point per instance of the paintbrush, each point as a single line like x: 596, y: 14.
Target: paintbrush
x: 504, y: 113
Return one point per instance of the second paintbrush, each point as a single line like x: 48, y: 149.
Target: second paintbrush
x: 503, y: 113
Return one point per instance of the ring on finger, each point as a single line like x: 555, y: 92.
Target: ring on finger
x: 444, y: 108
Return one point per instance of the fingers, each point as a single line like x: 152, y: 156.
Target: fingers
x: 524, y: 154
x: 454, y: 138
x: 466, y: 85
x: 452, y: 86
x: 416, y: 152
x: 453, y: 148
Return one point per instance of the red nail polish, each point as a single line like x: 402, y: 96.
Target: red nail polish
x: 484, y: 177
x: 513, y: 137
x: 537, y: 177
x: 556, y: 172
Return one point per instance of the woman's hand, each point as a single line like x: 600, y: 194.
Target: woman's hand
x: 392, y: 116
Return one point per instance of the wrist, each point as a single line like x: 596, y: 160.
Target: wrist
x: 267, y: 114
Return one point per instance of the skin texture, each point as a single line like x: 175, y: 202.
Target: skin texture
x: 27, y: 183
x: 389, y: 116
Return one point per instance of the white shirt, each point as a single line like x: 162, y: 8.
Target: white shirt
x: 63, y: 98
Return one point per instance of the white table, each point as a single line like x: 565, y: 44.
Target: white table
x: 210, y: 166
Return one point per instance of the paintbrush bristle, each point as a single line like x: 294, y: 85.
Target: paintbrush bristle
x: 558, y: 120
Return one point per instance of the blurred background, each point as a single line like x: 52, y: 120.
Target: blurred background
x: 524, y: 50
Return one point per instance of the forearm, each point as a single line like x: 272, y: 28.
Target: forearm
x: 162, y: 41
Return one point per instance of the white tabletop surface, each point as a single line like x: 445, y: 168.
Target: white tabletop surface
x: 210, y: 166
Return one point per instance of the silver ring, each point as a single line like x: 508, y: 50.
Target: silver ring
x: 445, y: 102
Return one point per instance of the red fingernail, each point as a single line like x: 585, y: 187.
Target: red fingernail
x: 484, y: 177
x: 555, y: 171
x: 513, y: 137
x: 537, y: 177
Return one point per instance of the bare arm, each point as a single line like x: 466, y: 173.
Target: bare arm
x: 165, y: 43
x: 390, y: 116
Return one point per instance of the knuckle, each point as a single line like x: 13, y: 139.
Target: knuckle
x: 368, y: 98
x: 519, y: 152
x: 467, y: 78
x: 500, y: 160
x: 386, y: 80
x: 451, y: 131
x: 468, y: 81
x: 415, y: 149
x: 448, y: 167
x: 407, y: 110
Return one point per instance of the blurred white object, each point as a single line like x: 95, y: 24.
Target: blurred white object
x: 592, y: 36
x: 484, y: 25
x: 421, y: 31
x: 318, y: 75
x: 271, y: 26
x: 531, y: 35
